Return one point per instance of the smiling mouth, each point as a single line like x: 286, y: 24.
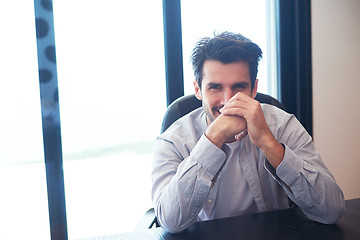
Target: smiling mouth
x: 216, y: 111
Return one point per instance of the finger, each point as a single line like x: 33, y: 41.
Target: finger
x: 241, y: 135
x: 240, y: 100
x: 234, y: 111
x: 240, y: 96
x: 235, y: 104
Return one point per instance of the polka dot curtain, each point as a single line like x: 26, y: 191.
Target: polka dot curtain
x: 50, y: 117
x: 47, y: 62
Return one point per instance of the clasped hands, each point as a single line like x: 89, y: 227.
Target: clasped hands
x: 242, y: 115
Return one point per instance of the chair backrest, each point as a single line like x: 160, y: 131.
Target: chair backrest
x: 186, y: 104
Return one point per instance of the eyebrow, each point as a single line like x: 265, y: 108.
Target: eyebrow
x: 235, y: 85
x: 241, y: 85
x: 210, y: 84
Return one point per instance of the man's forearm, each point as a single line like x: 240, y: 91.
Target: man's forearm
x: 178, y: 196
x: 313, y: 188
x: 181, y: 200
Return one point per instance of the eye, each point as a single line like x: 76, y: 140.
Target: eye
x: 214, y: 87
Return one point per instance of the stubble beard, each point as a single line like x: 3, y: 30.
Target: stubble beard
x: 210, y: 114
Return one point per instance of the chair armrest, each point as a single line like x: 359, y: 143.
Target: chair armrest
x: 147, y: 221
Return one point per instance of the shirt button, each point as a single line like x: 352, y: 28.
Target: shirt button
x: 209, y: 201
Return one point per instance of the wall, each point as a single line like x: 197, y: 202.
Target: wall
x: 336, y: 89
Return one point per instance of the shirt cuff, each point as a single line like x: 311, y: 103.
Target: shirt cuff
x: 208, y: 155
x: 289, y: 169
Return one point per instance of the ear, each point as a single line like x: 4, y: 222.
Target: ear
x: 254, y: 91
x: 197, y: 91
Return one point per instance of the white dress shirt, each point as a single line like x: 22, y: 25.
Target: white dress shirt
x: 193, y: 180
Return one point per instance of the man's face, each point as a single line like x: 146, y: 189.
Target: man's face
x: 220, y: 82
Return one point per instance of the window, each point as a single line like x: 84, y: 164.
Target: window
x: 253, y: 19
x: 111, y: 81
x: 110, y: 60
x: 23, y: 201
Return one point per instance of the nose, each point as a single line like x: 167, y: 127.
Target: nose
x: 227, y: 94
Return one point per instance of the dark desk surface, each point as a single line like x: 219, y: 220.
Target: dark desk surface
x: 284, y: 224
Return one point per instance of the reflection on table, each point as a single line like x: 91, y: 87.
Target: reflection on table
x: 289, y: 224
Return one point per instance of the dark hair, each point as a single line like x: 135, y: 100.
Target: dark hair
x: 226, y: 47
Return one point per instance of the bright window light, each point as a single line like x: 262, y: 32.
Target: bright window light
x: 111, y: 77
x: 201, y: 18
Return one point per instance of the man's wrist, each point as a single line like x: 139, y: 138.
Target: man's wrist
x: 216, y: 137
x: 274, y: 152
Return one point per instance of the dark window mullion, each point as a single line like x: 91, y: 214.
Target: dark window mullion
x: 173, y: 50
x: 50, y: 118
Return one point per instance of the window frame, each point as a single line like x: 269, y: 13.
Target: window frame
x: 294, y: 73
x: 294, y: 59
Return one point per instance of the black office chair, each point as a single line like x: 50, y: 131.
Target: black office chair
x: 180, y: 107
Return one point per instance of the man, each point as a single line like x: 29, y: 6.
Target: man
x: 235, y: 156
